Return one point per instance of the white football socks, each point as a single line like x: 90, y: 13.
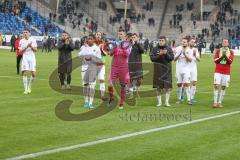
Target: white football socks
x: 102, y: 89
x: 187, y: 89
x: 221, y: 96
x: 215, y: 93
x: 25, y: 83
x: 179, y: 93
x: 193, y: 91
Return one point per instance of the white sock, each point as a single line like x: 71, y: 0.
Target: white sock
x: 31, y: 79
x: 187, y: 89
x: 222, y: 93
x: 91, y: 100
x: 179, y: 93
x: 91, y: 93
x: 85, y: 93
x: 102, y: 89
x: 134, y: 88
x: 131, y: 89
x: 25, y: 83
x: 159, y: 97
x: 126, y: 88
x: 167, y: 96
x: 193, y: 91
x: 215, y: 93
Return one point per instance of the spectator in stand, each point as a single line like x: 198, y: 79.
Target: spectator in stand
x: 181, y: 28
x: 194, y: 24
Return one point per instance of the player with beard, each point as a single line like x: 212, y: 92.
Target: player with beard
x: 135, y: 64
x: 183, y: 59
x: 193, y: 69
x: 65, y: 48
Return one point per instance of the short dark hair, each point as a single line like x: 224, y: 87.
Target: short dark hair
x: 129, y: 34
x: 121, y: 30
x: 134, y: 34
x: 99, y: 32
x: 26, y: 29
x: 162, y: 37
x: 186, y: 38
x: 64, y: 32
x: 92, y: 35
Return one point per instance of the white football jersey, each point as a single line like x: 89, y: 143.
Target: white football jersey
x: 23, y: 44
x: 182, y: 65
x: 90, y: 51
x: 194, y: 53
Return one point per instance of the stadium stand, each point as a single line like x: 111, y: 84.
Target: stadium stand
x: 15, y: 21
x: 149, y: 18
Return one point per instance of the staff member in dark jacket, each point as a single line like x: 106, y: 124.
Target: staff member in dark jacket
x: 13, y: 40
x: 65, y: 48
x: 162, y: 56
x: 135, y: 63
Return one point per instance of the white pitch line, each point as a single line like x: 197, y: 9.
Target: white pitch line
x: 82, y: 145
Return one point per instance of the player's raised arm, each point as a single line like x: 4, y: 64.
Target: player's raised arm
x: 21, y: 51
x: 169, y: 56
x: 69, y: 43
x: 218, y: 59
x: 33, y: 45
x: 197, y: 55
x: 230, y: 59
x: 188, y: 58
x: 98, y: 59
x: 21, y: 48
x: 177, y: 55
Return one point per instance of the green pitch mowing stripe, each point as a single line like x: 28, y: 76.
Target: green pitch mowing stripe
x: 68, y: 148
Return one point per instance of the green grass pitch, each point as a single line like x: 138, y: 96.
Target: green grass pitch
x: 28, y: 123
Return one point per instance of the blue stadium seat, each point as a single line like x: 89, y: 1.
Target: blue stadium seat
x: 11, y: 24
